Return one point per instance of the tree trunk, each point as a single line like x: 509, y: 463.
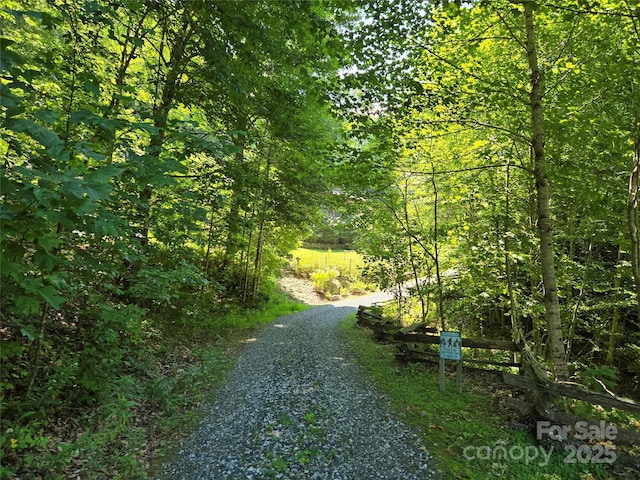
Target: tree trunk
x: 262, y: 216
x: 414, y: 267
x: 246, y: 253
x: 257, y: 263
x: 632, y: 220
x: 615, y: 315
x: 127, y: 55
x: 578, y: 302
x: 436, y: 256
x: 207, y: 253
x: 551, y: 301
x: 232, y: 244
x: 176, y: 66
x: 534, y: 278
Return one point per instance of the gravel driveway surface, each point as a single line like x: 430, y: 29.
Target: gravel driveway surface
x: 297, y: 406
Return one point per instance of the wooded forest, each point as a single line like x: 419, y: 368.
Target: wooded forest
x: 161, y: 159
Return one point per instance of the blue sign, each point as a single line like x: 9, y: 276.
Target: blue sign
x: 451, y: 345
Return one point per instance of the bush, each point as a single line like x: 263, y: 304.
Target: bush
x: 322, y: 280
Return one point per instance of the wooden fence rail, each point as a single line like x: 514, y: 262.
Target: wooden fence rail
x: 484, y: 343
x: 623, y: 436
x: 407, y: 338
x: 573, y: 391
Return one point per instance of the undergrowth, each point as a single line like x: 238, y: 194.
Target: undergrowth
x: 133, y: 425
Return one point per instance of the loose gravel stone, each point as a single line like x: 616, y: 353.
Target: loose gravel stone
x: 297, y: 406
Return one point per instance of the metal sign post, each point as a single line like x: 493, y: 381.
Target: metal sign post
x: 450, y: 349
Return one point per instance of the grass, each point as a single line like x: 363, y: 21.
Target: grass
x: 349, y: 262
x: 468, y: 434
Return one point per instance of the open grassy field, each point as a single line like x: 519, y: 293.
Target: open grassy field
x: 349, y: 262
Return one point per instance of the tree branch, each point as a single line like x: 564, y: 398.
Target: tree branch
x: 579, y: 11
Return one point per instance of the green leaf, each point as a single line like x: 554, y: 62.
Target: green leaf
x: 88, y: 118
x: 88, y: 150
x: 6, y: 213
x: 91, y: 86
x: 147, y: 127
x: 49, y: 241
x: 4, y: 41
x: 47, y: 138
x: 106, y: 226
x: 104, y: 174
x: 49, y: 116
x: 98, y: 191
x: 8, y: 99
x: 27, y: 305
x: 55, y: 217
x: 29, y: 333
x: 9, y: 59
x: 11, y: 349
x: 49, y: 294
x: 45, y: 260
x: 133, y: 5
x: 56, y: 280
x: 75, y: 188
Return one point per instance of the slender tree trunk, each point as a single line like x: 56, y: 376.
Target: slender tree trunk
x: 433, y: 255
x: 545, y: 231
x: 37, y: 349
x: 571, y: 230
x: 576, y: 307
x: 513, y: 312
x: 634, y: 183
x: 615, y: 315
x: 414, y: 268
x: 232, y: 244
x: 534, y: 278
x: 632, y: 221
x: 207, y: 254
x: 245, y: 257
x: 170, y: 84
x: 160, y: 117
x: 257, y: 262
x: 436, y: 255
x: 128, y: 53
x: 529, y: 360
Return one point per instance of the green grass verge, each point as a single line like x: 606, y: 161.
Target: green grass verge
x: 468, y: 434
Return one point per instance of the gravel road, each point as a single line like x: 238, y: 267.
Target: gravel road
x: 296, y: 406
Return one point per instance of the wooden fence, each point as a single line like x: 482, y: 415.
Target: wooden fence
x: 409, y: 339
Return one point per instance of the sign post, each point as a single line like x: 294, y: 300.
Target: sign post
x: 450, y: 349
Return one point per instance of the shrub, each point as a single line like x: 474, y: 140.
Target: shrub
x: 322, y: 278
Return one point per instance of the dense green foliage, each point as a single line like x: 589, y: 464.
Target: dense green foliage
x: 447, y: 179
x: 160, y: 160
